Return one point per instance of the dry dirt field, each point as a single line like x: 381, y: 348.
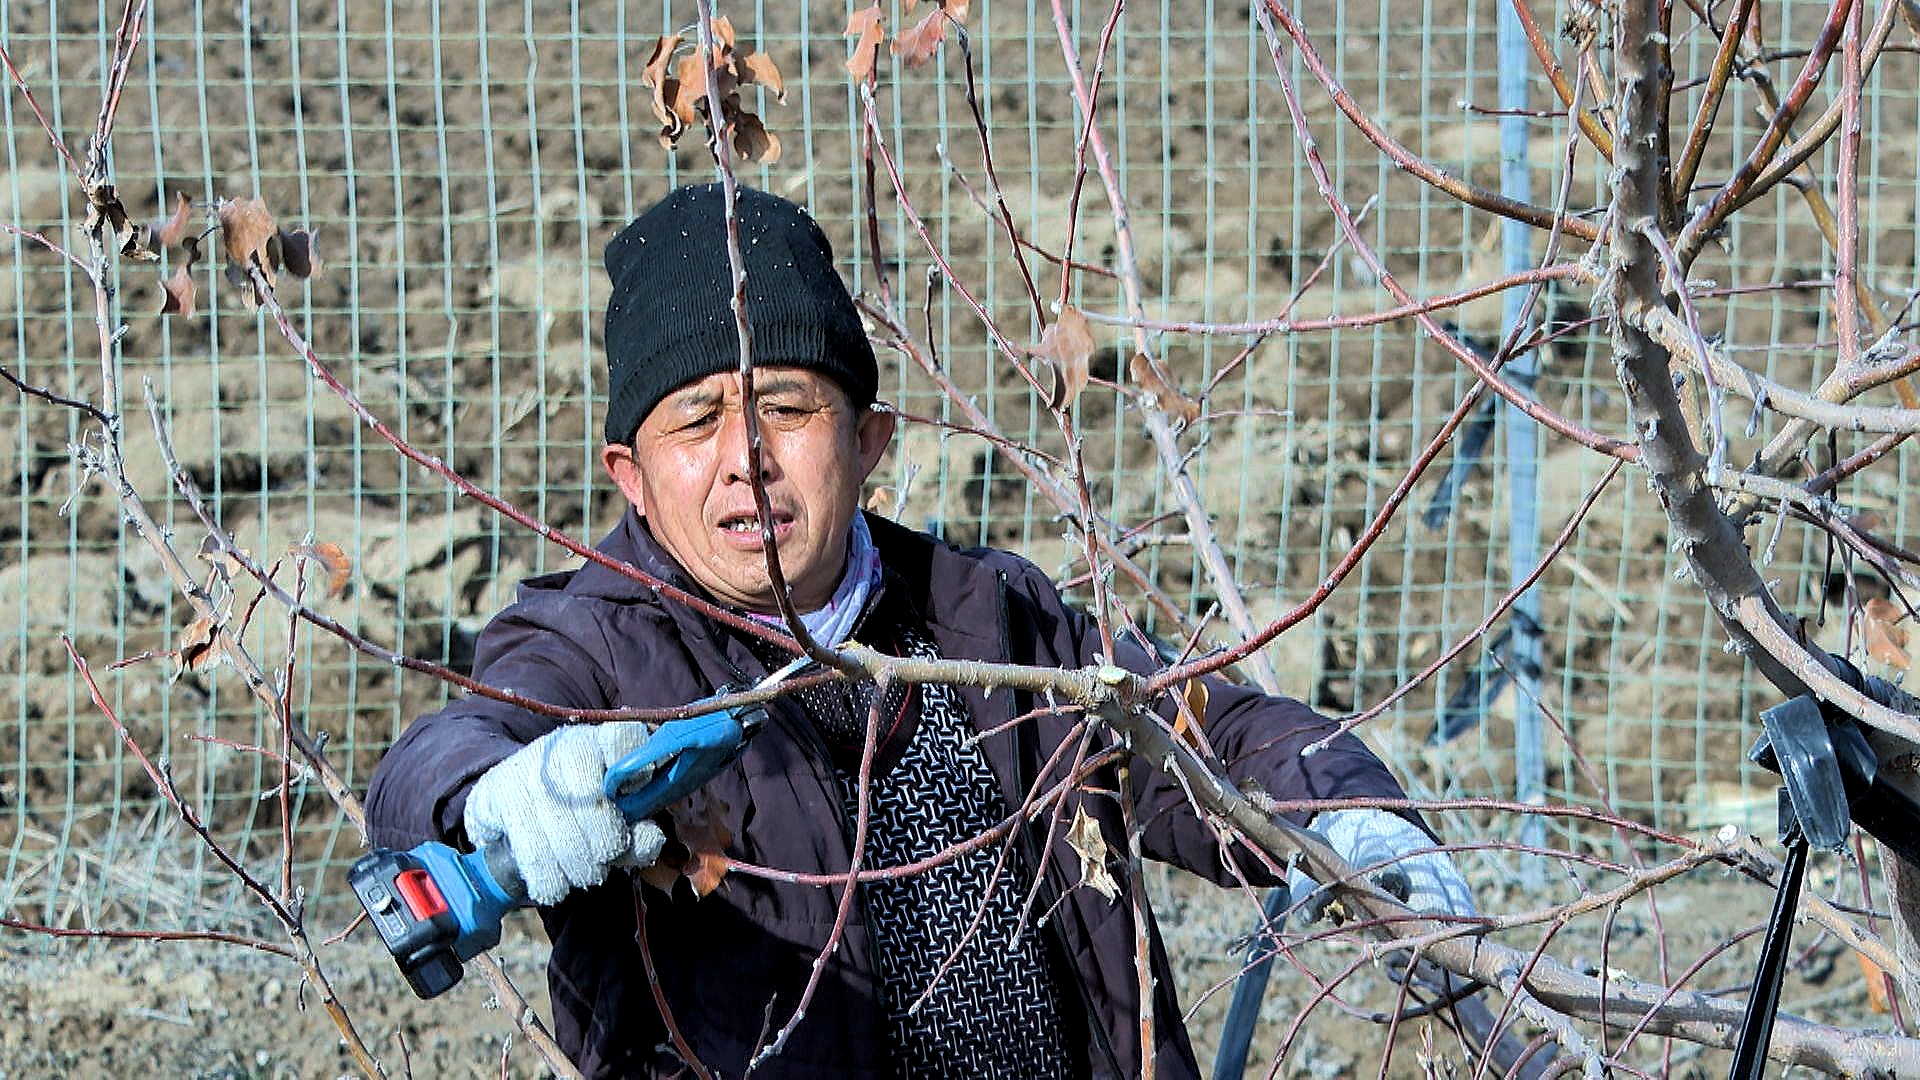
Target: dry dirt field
x: 456, y: 297
x: 200, y: 1013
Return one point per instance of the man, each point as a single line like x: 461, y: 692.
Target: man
x: 964, y: 968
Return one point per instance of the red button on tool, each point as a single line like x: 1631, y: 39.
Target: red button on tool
x: 421, y: 894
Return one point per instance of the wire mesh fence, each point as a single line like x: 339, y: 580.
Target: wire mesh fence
x: 461, y: 166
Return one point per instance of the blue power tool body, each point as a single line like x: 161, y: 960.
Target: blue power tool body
x: 436, y: 908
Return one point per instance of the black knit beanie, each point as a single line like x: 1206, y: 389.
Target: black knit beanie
x: 670, y: 318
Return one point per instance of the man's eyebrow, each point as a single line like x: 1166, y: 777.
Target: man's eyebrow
x: 701, y: 397
x: 779, y: 384
x: 694, y: 397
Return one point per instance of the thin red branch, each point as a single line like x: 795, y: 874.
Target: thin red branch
x: 680, y: 1044
x: 1493, y: 615
x: 59, y: 144
x: 863, y: 818
x: 196, y: 936
x: 1406, y: 160
x: 1728, y: 198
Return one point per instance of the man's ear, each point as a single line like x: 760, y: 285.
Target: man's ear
x: 624, y: 471
x: 871, y: 437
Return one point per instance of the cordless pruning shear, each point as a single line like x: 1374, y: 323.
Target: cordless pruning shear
x: 436, y: 908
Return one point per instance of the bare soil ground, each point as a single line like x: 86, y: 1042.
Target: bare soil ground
x: 458, y: 303
x: 200, y: 1013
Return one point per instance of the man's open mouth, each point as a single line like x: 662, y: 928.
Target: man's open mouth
x: 749, y: 524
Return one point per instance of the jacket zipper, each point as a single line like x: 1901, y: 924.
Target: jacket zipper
x: 818, y: 756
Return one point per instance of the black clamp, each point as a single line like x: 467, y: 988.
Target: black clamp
x: 1830, y: 782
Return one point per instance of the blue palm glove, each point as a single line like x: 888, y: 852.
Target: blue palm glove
x: 1395, y: 854
x: 545, y: 802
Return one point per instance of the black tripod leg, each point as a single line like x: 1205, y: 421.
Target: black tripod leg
x: 1756, y: 1028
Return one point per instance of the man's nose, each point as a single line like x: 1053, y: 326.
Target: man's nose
x: 734, y: 453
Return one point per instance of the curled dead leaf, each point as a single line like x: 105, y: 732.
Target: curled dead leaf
x: 1164, y: 395
x: 751, y: 139
x: 868, y: 25
x: 245, y: 227
x: 195, y: 648
x: 226, y: 565
x: 1885, y: 639
x: 1194, y: 693
x: 665, y: 87
x: 697, y: 846
x: 1084, y: 837
x: 694, y: 75
x: 339, y: 567
x: 294, y: 249
x: 759, y: 69
x: 170, y: 231
x: 106, y: 214
x: 1067, y: 345
x: 920, y: 42
x: 179, y: 291
x: 104, y: 208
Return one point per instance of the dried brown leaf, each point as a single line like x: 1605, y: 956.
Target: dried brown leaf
x: 660, y: 874
x: 138, y: 244
x: 699, y: 823
x: 195, y: 646
x: 665, y: 87
x: 1875, y: 978
x: 294, y: 249
x: 105, y: 208
x: 869, y: 26
x: 181, y: 295
x: 170, y: 231
x: 920, y: 42
x: 246, y: 232
x: 1084, y: 837
x: 759, y: 69
x: 751, y: 139
x: 1195, y: 695
x: 215, y: 553
x: 1167, y: 397
x: 106, y: 213
x: 1067, y: 344
x: 1885, y: 638
x: 722, y: 39
x: 245, y: 227
x: 691, y: 87
x: 339, y: 566
x: 696, y: 846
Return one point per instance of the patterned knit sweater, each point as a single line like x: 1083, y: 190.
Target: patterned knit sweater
x: 968, y: 991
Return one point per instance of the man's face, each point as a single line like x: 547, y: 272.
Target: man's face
x: 687, y: 474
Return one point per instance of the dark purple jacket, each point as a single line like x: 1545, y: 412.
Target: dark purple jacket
x: 732, y: 964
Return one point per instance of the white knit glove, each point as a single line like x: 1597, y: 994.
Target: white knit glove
x: 1395, y: 854
x: 545, y: 802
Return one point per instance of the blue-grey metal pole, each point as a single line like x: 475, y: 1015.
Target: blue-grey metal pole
x: 1243, y: 1013
x: 1523, y: 472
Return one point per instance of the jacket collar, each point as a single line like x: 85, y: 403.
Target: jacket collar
x: 960, y: 597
